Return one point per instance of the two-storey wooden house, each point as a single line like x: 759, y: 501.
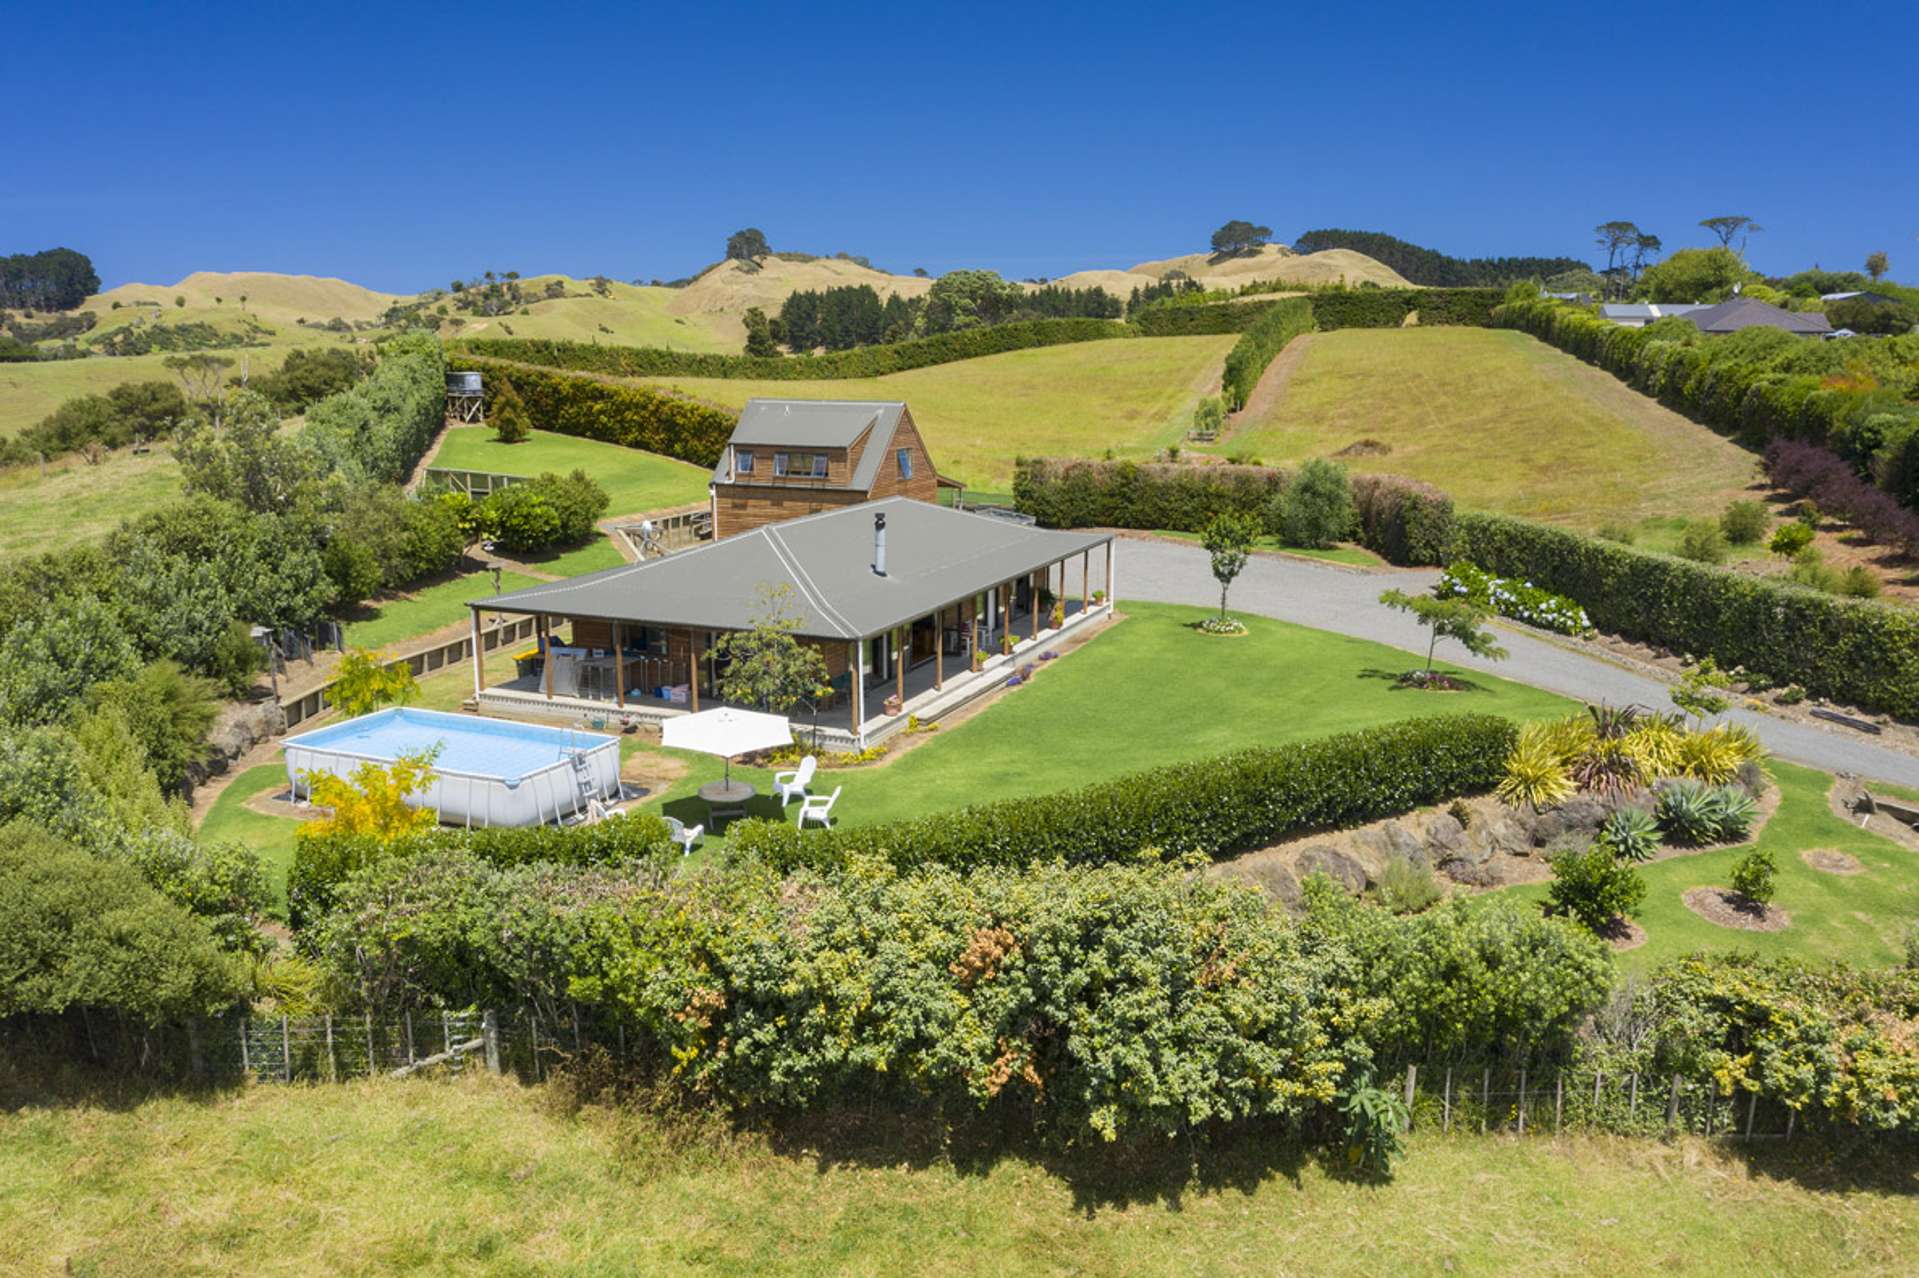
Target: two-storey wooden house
x: 793, y: 457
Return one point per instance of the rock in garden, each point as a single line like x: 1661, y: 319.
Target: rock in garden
x: 1391, y: 839
x: 1444, y: 835
x: 1338, y: 866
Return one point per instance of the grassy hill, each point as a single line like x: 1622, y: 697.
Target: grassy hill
x: 1501, y: 421
x: 1133, y: 396
x: 630, y: 315
x: 74, y: 502
x: 271, y: 298
x: 481, y: 1175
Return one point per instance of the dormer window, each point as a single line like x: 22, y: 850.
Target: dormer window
x: 742, y: 462
x: 800, y: 465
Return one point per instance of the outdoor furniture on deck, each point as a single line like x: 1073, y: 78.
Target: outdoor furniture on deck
x: 818, y: 807
x: 726, y: 799
x: 681, y: 835
x: 792, y: 785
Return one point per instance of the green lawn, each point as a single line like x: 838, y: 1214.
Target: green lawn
x: 28, y: 392
x: 75, y: 502
x: 483, y: 1176
x: 230, y: 820
x: 1860, y: 918
x: 1501, y: 421
x: 422, y: 611
x: 1358, y: 556
x: 1133, y: 396
x: 635, y: 481
x: 594, y: 555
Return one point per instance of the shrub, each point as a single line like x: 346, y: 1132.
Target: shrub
x: 1811, y: 471
x: 380, y: 427
x: 1752, y: 876
x: 167, y: 711
x: 1703, y: 543
x: 1210, y: 807
x: 1745, y: 522
x: 1316, y: 509
x: 1860, y: 582
x: 633, y: 416
x: 223, y: 885
x: 1790, y: 540
x: 1535, y: 773
x: 510, y: 422
x: 1188, y: 320
x: 1520, y: 600
x: 1594, y: 887
x: 364, y: 681
x: 1403, y: 520
x: 1810, y: 569
x: 1275, y: 326
x: 1390, y: 307
x: 1621, y: 533
x: 1859, y: 652
x: 1630, y: 834
x: 1406, y: 887
x: 544, y: 512
x: 1693, y: 813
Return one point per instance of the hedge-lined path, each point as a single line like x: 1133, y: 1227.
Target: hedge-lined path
x: 1271, y: 386
x: 1346, y: 601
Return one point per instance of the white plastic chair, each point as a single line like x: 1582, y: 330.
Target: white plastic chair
x: 792, y: 785
x: 818, y: 808
x: 681, y: 835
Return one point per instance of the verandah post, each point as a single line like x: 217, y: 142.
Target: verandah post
x: 939, y: 648
x: 1412, y: 1077
x: 479, y: 672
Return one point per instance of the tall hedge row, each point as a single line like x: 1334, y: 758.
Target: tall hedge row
x: 633, y: 416
x: 1193, y: 321
x: 381, y: 426
x: 1854, y: 651
x: 1246, y: 363
x: 1389, y: 307
x: 864, y: 361
x: 1212, y: 807
x: 1403, y: 520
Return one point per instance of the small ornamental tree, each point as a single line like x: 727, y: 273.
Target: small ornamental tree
x: 1790, y: 539
x: 365, y: 683
x: 1316, y: 509
x: 1752, y: 877
x: 1701, y: 691
x: 511, y: 425
x: 372, y: 803
x: 1461, y: 620
x: 1229, y: 539
x: 767, y: 666
x: 1594, y: 887
x: 1208, y: 416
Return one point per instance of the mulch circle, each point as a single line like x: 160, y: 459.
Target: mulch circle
x: 1726, y: 908
x: 1623, y: 934
x: 1832, y: 862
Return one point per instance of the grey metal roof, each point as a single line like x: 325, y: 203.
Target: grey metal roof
x: 1647, y: 310
x: 1749, y: 312
x: 934, y: 556
x: 781, y: 424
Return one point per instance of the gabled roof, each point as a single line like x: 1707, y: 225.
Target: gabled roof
x: 783, y: 424
x: 934, y: 555
x: 1648, y: 310
x: 1749, y: 312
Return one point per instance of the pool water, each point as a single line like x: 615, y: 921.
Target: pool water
x: 468, y: 745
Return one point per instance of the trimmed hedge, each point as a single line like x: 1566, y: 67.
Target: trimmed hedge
x: 1210, y: 807
x: 1173, y: 320
x: 1389, y: 307
x: 1400, y: 519
x: 381, y: 426
x: 1862, y: 653
x: 1246, y: 363
x: 864, y: 361
x: 322, y: 862
x: 633, y: 416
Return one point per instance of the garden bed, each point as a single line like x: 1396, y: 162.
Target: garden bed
x: 1726, y: 908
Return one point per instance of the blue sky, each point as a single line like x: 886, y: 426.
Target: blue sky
x: 404, y: 144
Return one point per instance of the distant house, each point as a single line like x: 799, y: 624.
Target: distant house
x: 794, y: 457
x: 1749, y: 312
x: 1640, y: 314
x: 1862, y: 295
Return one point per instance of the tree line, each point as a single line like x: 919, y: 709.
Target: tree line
x: 56, y: 279
x: 838, y: 319
x: 1433, y: 269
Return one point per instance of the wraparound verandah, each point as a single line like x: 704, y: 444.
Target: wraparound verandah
x: 923, y: 666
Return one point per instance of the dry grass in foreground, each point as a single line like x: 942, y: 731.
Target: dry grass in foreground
x: 484, y: 1176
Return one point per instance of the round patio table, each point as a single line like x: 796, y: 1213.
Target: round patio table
x: 726, y: 799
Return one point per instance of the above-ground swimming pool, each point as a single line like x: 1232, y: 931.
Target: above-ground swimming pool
x: 487, y: 771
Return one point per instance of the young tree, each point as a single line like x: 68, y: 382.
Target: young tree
x: 1701, y: 691
x: 1238, y: 237
x: 1727, y: 227
x: 767, y: 666
x: 759, y: 334
x: 1208, y: 416
x: 746, y: 245
x: 364, y: 683
x: 1229, y: 537
x: 1594, y: 887
x: 203, y: 375
x: 1316, y: 509
x: 242, y: 457
x: 1644, y: 249
x: 511, y: 425
x: 1877, y: 265
x: 1615, y: 237
x: 1454, y: 617
x: 373, y: 802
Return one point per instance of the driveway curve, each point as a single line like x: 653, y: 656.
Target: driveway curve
x: 1347, y: 602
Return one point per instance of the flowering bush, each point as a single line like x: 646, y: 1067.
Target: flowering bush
x: 1221, y: 626
x: 1510, y: 597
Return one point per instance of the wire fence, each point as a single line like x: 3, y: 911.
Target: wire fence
x: 1521, y: 1099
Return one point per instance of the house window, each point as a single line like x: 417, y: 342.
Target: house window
x: 742, y: 462
x: 819, y: 465
x: 779, y: 463
x: 800, y: 465
x: 906, y: 464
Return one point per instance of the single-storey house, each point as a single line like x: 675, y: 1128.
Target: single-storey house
x: 793, y: 457
x: 1862, y: 295
x: 898, y: 595
x: 1749, y: 312
x: 1640, y: 314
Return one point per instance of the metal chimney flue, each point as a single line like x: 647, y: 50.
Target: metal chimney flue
x: 879, y: 544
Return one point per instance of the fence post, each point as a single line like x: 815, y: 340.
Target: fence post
x: 1522, y: 1100
x: 490, y: 1031
x: 369, y: 1043
x: 286, y: 1052
x: 332, y: 1063
x: 1412, y: 1084
x: 246, y: 1059
x: 1752, y: 1112
x: 1632, y: 1102
x: 1672, y: 1106
x: 1485, y: 1097
x: 409, y: 1036
x: 1446, y: 1103
x: 446, y: 1033
x: 194, y: 1059
x: 1792, y: 1116
x: 1559, y: 1099
x: 1597, y: 1075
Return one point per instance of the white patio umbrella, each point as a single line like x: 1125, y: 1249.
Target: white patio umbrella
x: 726, y: 732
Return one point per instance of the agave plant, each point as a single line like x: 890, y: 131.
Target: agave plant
x: 1735, y: 814
x: 1630, y: 834
x: 1535, y: 773
x: 1686, y: 812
